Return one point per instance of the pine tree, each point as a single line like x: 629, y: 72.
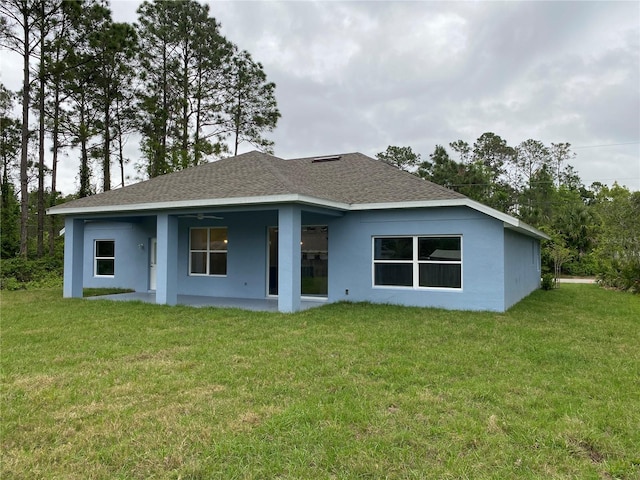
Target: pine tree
x: 114, y: 47
x: 81, y: 122
x: 198, y: 89
x: 10, y: 137
x: 251, y: 105
x: 18, y: 32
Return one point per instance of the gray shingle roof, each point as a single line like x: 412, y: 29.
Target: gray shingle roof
x: 353, y: 179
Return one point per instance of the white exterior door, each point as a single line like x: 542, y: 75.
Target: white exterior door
x: 153, y: 258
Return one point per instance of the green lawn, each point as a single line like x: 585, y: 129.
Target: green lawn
x: 102, y: 390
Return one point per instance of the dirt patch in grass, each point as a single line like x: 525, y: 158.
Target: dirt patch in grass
x: 591, y: 451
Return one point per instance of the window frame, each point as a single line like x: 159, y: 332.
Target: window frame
x: 415, y: 262
x: 208, y: 251
x: 97, y: 258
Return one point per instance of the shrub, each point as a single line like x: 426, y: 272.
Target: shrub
x: 43, y: 272
x: 582, y: 266
x: 548, y: 281
x: 48, y: 280
x: 10, y: 284
x: 621, y: 276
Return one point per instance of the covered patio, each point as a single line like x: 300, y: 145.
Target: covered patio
x: 252, y: 304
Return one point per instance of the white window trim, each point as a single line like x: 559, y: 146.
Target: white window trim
x: 416, y: 264
x: 208, y: 251
x: 96, y: 257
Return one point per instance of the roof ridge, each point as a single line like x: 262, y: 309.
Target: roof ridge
x: 281, y: 176
x: 342, y: 154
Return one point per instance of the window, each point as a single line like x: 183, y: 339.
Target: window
x: 535, y: 254
x: 439, y: 262
x: 314, y: 263
x: 104, y: 258
x: 417, y: 262
x: 208, y: 251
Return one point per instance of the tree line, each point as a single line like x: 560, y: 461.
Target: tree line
x: 594, y: 230
x: 191, y: 96
x: 89, y: 83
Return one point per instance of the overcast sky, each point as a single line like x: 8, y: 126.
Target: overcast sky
x: 359, y: 76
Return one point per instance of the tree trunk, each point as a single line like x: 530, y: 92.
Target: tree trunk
x: 55, y: 134
x: 120, y: 146
x: 54, y: 164
x: 85, y: 190
x: 24, y: 181
x: 106, y: 162
x: 162, y: 154
x: 238, y: 118
x: 196, y: 137
x: 40, y: 229
x: 185, y: 113
x: 121, y: 160
x: 84, y: 169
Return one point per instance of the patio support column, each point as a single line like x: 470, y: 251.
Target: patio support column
x: 167, y: 260
x: 289, y: 233
x: 73, y: 258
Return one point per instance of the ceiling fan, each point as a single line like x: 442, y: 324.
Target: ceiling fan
x: 201, y: 216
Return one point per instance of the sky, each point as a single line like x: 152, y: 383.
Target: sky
x: 360, y: 76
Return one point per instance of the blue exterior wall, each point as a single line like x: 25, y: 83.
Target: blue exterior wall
x: 167, y: 259
x: 289, y: 262
x: 350, y: 257
x: 73, y: 258
x: 499, y: 266
x: 521, y: 265
x: 246, y: 256
x: 131, y: 260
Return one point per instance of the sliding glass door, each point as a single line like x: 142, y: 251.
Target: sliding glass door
x: 314, y: 271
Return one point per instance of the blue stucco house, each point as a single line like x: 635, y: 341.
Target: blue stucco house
x: 342, y: 227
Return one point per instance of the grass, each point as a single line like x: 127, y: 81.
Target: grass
x: 96, y: 292
x: 105, y: 389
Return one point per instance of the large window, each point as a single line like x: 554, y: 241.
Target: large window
x: 104, y: 258
x: 418, y: 262
x: 208, y: 251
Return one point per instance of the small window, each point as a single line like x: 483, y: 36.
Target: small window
x: 418, y: 262
x: 104, y: 263
x: 394, y: 248
x: 208, y: 251
x: 393, y: 257
x: 397, y: 274
x: 439, y: 262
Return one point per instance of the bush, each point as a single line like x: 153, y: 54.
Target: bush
x: 20, y: 272
x: 621, y: 276
x: 584, y: 266
x: 48, y: 280
x: 11, y: 284
x: 548, y: 281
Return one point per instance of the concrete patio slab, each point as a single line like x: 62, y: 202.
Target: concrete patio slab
x: 253, y: 304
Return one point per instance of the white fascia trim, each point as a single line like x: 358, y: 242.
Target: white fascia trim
x: 528, y: 230
x: 213, y: 202
x: 457, y: 202
x: 509, y: 221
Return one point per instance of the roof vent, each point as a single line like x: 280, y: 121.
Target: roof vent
x: 331, y: 158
